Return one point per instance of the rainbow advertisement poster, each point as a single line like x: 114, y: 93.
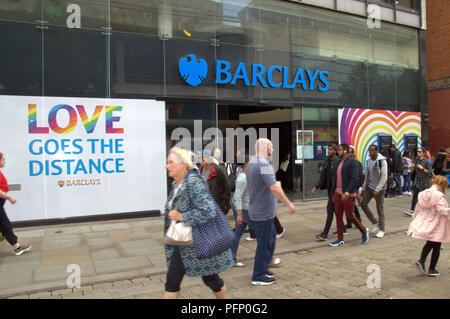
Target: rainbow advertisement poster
x: 360, y: 128
x: 83, y: 156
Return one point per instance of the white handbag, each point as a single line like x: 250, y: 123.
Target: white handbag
x: 178, y: 233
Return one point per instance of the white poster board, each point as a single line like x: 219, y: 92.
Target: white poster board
x: 83, y: 156
x: 305, y: 144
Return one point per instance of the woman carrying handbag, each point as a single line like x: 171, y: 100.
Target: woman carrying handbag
x: 195, y: 206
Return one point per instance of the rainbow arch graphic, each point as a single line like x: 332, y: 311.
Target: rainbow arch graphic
x: 360, y: 128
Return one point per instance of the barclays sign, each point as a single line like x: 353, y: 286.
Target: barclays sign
x: 194, y: 72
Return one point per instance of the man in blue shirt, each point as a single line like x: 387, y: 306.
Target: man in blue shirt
x: 264, y: 191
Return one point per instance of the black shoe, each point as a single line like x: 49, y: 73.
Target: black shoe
x: 270, y: 274
x: 348, y: 226
x: 264, y: 282
x: 420, y: 266
x: 433, y: 273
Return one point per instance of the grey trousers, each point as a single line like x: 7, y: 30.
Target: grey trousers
x: 367, y: 196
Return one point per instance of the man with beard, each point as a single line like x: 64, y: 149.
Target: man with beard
x: 326, y: 182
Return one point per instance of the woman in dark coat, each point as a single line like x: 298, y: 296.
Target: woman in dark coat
x: 438, y: 164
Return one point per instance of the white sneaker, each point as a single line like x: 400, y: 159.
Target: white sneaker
x: 249, y: 238
x: 374, y: 228
x: 380, y: 234
x: 281, y: 235
x: 409, y: 212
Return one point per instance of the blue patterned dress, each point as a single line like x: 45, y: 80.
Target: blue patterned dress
x: 197, y: 207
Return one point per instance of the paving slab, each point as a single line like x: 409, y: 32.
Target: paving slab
x: 131, y: 251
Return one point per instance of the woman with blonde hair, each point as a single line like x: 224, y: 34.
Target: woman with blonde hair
x: 190, y: 203
x: 431, y: 222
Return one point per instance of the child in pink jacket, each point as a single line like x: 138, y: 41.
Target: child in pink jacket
x: 431, y: 222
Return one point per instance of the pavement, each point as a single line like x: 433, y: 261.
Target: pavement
x: 125, y: 259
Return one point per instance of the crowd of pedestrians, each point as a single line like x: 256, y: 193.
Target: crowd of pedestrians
x: 200, y: 193
x: 256, y: 192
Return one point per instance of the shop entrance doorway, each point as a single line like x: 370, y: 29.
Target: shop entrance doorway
x: 269, y: 118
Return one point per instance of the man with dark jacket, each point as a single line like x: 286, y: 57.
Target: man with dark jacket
x: 325, y: 182
x: 397, y: 167
x: 217, y: 181
x: 438, y: 165
x: 345, y: 187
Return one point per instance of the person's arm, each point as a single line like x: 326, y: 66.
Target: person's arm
x: 352, y: 186
x: 322, y: 177
x: 428, y: 169
x: 7, y: 197
x: 366, y: 179
x: 278, y: 192
x: 442, y: 207
x: 241, y: 186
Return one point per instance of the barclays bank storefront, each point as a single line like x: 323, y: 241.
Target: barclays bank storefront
x: 92, y: 92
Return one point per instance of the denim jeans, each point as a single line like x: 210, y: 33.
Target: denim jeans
x: 266, y: 239
x: 239, y: 230
x: 399, y: 183
x: 407, y: 182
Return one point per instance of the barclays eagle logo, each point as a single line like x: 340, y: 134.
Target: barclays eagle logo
x: 193, y: 72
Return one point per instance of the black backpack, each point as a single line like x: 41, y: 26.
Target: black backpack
x: 232, y: 176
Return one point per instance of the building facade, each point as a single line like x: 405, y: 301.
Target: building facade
x: 438, y: 65
x: 154, y: 67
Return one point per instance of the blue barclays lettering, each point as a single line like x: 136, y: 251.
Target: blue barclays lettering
x: 223, y: 67
x: 258, y: 71
x: 324, y: 81
x: 300, y: 78
x: 316, y: 78
x: 241, y: 73
x: 269, y: 76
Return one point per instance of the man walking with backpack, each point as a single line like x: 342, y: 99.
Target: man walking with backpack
x: 397, y: 167
x: 374, y: 187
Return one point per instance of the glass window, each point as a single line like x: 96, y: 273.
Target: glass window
x: 297, y: 158
x: 18, y: 12
x: 74, y: 62
x: 20, y: 59
x: 238, y: 22
x: 189, y: 50
x: 186, y: 123
x: 195, y: 19
x: 139, y: 16
x: 277, y: 19
x: 84, y: 14
x: 137, y: 65
x: 320, y: 128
